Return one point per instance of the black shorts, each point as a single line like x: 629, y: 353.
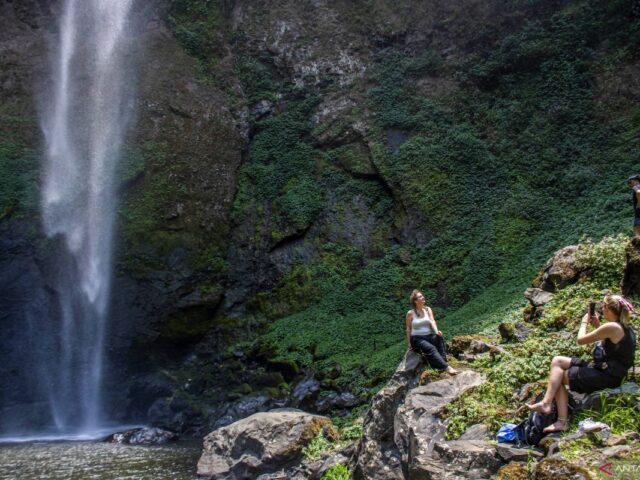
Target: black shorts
x: 636, y: 222
x: 584, y: 378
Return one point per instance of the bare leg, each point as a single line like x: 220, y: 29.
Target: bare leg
x: 636, y: 230
x: 562, y: 402
x: 556, y: 377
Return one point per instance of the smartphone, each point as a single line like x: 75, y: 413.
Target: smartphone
x: 592, y: 309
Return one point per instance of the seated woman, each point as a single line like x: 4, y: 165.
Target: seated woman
x: 618, y: 342
x: 423, y: 335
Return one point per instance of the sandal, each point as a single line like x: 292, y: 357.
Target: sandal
x: 540, y: 407
x: 555, y: 428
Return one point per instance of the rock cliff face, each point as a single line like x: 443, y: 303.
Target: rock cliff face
x: 298, y: 166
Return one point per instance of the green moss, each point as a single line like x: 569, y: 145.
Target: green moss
x: 19, y: 167
x: 186, y: 326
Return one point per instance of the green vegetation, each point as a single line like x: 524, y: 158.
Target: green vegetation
x: 505, y: 168
x: 495, y: 402
x: 621, y: 413
x: 522, y: 150
x: 339, y: 472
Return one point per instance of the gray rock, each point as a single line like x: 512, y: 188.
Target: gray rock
x: 457, y: 459
x: 306, y: 389
x: 594, y: 400
x: 561, y: 270
x: 264, y: 443
x: 143, y: 436
x: 335, y: 401
x: 537, y: 296
x: 617, y: 451
x: 554, y: 468
x: 509, y: 453
x: 377, y: 456
x: 417, y: 423
x: 476, y: 432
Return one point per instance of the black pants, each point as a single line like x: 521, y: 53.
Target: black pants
x: 431, y: 347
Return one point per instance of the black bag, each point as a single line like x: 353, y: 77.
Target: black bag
x: 530, y: 431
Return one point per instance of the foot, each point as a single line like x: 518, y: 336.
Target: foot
x: 451, y: 371
x: 559, y: 426
x: 539, y: 407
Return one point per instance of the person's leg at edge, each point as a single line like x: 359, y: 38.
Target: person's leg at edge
x: 430, y: 352
x: 562, y: 402
x: 636, y: 230
x: 559, y: 365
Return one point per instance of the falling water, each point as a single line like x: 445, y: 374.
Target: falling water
x: 84, y: 122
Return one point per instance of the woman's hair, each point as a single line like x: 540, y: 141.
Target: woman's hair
x: 413, y: 296
x: 620, y: 306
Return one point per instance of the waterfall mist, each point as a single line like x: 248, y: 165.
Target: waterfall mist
x: 84, y: 121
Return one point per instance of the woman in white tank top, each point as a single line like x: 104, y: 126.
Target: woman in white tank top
x: 423, y: 335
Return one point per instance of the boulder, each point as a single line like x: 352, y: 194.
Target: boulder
x: 469, y: 345
x: 307, y: 389
x: 336, y: 401
x: 537, y: 296
x: 142, y: 436
x: 594, y: 400
x: 417, y: 423
x: 560, y: 270
x: 377, y: 455
x: 264, y: 443
x: 457, y: 459
x: 242, y: 409
x: 513, y: 331
x: 513, y: 471
x: 554, y: 468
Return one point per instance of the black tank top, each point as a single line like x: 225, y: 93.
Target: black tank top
x: 624, y: 351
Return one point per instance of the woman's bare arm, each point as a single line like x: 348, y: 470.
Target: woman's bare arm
x: 609, y: 330
x: 408, y: 324
x: 433, y: 320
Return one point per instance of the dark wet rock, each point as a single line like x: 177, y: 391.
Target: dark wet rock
x: 554, y: 468
x: 160, y: 413
x: 264, y: 443
x: 243, y: 408
x: 143, y: 436
x: 476, y: 432
x: 630, y: 284
x: 336, y: 401
x: 307, y: 389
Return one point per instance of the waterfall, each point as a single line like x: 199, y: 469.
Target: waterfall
x: 84, y: 121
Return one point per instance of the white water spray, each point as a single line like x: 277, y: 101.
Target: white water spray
x: 84, y: 124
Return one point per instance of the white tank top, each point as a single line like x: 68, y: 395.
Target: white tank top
x: 421, y: 325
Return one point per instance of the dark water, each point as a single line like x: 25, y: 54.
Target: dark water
x: 93, y: 460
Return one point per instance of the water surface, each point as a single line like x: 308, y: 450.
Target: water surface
x: 97, y: 460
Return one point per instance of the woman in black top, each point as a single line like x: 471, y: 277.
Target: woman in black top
x: 617, y: 341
